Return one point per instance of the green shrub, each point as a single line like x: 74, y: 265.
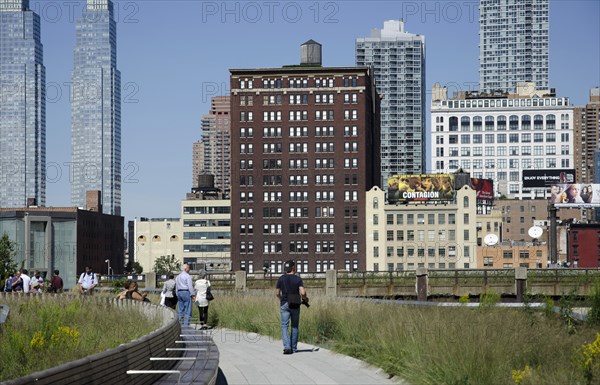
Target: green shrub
x: 593, y: 315
x: 489, y: 299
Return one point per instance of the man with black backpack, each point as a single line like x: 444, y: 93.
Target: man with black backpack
x: 291, y: 293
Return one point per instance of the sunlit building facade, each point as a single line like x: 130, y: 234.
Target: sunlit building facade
x: 96, y: 108
x: 398, y: 60
x: 22, y: 106
x: 513, y: 44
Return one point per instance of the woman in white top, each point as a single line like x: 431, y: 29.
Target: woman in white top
x: 201, y: 287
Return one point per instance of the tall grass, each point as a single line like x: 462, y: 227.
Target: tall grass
x: 426, y: 345
x: 43, y: 333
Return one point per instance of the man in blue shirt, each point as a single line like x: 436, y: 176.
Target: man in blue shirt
x: 186, y: 295
x: 288, y: 285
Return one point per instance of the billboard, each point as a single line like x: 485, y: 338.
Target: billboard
x: 484, y: 188
x: 545, y: 178
x: 420, y: 188
x: 575, y: 195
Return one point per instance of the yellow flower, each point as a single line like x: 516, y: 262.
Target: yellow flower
x: 38, y: 340
x: 519, y: 375
x: 65, y: 335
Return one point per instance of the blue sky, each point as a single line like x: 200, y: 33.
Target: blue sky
x: 174, y: 55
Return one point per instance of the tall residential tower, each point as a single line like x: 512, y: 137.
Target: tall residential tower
x: 215, y: 136
x: 513, y: 44
x: 96, y: 108
x: 587, y: 127
x: 22, y: 106
x: 398, y: 59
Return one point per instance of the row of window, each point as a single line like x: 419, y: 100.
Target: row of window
x: 538, y: 137
x: 442, y: 219
x: 276, y: 132
x: 536, y: 163
x: 300, y: 212
x: 275, y: 116
x: 322, y: 82
x: 485, y: 103
x: 412, y: 266
x: 276, y: 247
x: 302, y: 266
x: 502, y: 151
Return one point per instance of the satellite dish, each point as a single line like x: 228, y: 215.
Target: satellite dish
x: 535, y: 232
x: 490, y: 239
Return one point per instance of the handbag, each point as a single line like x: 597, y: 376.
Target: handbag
x: 209, y: 295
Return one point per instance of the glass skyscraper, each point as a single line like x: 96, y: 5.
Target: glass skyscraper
x: 398, y: 58
x: 96, y: 109
x: 513, y: 44
x: 22, y: 106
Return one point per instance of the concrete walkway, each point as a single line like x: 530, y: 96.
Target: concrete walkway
x: 249, y: 358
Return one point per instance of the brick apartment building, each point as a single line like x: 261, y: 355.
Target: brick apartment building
x: 304, y: 152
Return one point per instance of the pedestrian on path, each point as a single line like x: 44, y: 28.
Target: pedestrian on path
x: 170, y: 292
x: 201, y: 287
x: 290, y: 291
x: 186, y: 295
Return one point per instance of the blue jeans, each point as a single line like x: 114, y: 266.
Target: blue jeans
x: 286, y: 314
x: 184, y: 310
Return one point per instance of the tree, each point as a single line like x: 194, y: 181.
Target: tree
x: 7, y: 252
x: 132, y: 267
x: 166, y: 264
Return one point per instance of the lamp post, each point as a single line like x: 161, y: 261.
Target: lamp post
x: 108, y: 270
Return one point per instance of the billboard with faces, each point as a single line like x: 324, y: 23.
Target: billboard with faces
x: 575, y: 195
x: 420, y: 188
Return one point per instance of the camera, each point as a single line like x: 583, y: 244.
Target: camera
x: 305, y: 301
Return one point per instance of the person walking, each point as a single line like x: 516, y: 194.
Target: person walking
x: 169, y: 290
x: 290, y: 290
x: 56, y: 283
x: 186, y: 295
x: 87, y: 281
x: 201, y: 287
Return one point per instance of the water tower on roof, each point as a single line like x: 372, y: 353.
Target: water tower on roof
x: 310, y: 53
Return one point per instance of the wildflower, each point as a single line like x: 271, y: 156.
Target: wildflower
x: 65, y: 335
x: 519, y: 375
x: 38, y: 340
x: 589, y: 358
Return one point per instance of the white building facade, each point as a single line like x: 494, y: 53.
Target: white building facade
x: 156, y: 237
x: 497, y: 137
x: 434, y: 236
x: 206, y: 228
